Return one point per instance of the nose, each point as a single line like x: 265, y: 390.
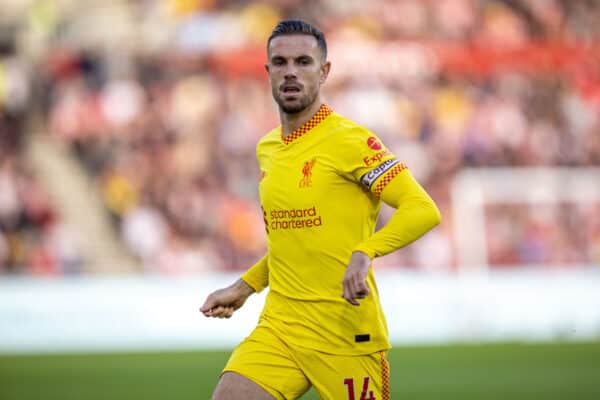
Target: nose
x: 290, y: 71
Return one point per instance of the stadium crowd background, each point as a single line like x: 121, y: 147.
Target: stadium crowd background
x: 162, y: 103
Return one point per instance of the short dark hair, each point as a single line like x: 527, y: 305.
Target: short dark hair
x: 296, y: 26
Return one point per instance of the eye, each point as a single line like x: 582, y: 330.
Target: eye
x: 304, y: 61
x: 278, y: 61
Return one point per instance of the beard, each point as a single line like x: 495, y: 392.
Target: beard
x: 303, y: 104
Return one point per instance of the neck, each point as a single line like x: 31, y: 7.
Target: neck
x: 291, y: 122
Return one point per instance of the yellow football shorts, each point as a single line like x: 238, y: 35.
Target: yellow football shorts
x: 288, y: 372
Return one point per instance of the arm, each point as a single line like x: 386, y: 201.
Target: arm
x: 416, y: 214
x: 223, y: 302
x: 257, y: 276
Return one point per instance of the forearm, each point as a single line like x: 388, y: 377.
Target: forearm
x: 223, y: 302
x: 257, y: 276
x: 243, y: 288
x: 415, y: 214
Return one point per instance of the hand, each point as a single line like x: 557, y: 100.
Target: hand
x: 354, y: 283
x: 223, y: 302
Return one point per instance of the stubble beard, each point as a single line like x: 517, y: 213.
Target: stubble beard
x: 304, y: 103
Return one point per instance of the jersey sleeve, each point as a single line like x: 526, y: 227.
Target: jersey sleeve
x: 416, y: 213
x: 367, y: 161
x: 257, y: 276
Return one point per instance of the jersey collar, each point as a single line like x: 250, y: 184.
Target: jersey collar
x: 323, y: 112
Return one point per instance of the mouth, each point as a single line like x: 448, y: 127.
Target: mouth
x: 290, y: 89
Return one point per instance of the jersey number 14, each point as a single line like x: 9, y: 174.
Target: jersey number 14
x: 349, y: 382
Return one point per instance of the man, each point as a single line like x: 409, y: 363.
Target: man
x: 323, y: 180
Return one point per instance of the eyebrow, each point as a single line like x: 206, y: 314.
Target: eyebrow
x: 279, y: 56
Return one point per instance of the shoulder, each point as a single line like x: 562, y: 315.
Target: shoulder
x: 267, y: 145
x: 348, y: 133
x: 269, y: 141
x: 357, y: 149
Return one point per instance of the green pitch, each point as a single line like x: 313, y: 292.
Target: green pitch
x: 479, y: 372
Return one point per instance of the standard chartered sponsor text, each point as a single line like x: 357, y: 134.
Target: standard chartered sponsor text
x: 295, y: 219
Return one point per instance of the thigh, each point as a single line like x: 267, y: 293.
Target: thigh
x: 364, y: 377
x: 233, y: 386
x: 267, y: 361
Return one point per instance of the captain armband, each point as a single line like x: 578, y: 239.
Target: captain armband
x: 386, y: 170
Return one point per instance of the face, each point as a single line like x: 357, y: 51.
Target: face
x: 296, y: 71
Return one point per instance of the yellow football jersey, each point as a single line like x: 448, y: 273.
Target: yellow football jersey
x: 319, y: 192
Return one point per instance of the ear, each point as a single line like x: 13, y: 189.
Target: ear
x: 324, y: 72
x: 267, y: 68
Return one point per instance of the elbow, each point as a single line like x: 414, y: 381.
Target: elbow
x: 434, y: 217
x: 438, y: 215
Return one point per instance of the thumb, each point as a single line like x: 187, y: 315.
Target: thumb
x: 208, y: 304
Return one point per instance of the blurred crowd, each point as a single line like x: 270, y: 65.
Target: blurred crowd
x: 33, y: 239
x: 163, y: 101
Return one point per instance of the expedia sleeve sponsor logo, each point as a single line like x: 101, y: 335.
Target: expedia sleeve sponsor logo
x: 374, y: 159
x: 374, y: 143
x: 370, y: 177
